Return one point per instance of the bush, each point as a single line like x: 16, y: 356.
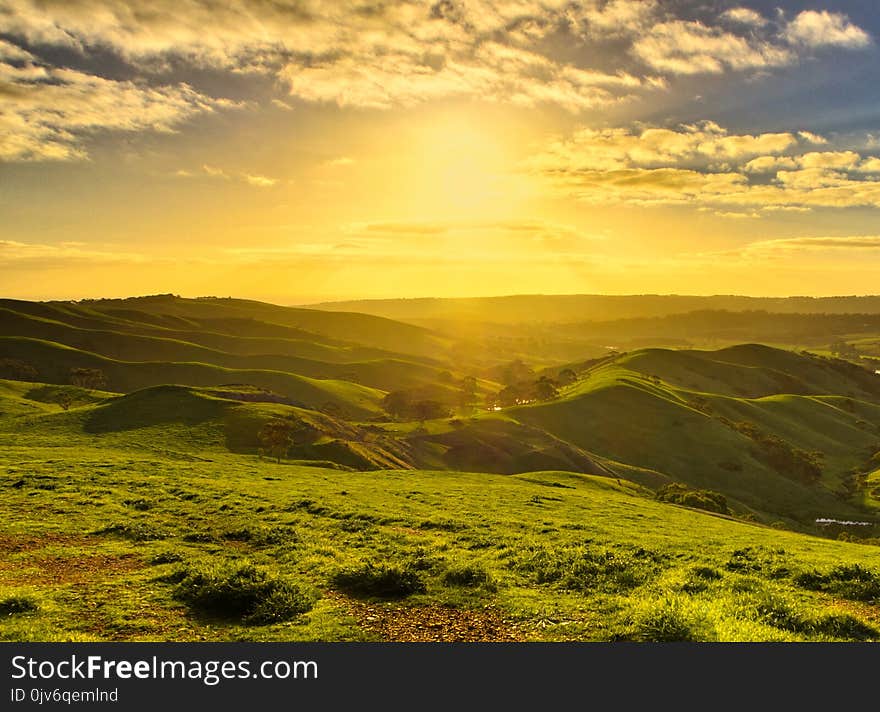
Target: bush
x: 707, y: 500
x: 578, y: 568
x: 16, y: 605
x: 243, y: 593
x: 846, y: 626
x: 850, y: 581
x: 779, y: 613
x: 469, y: 576
x: 166, y: 557
x: 699, y: 578
x: 262, y: 536
x: 380, y: 581
x: 668, y: 620
x: 133, y: 531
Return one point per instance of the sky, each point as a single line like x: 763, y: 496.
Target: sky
x: 298, y: 151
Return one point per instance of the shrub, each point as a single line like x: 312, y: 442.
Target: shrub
x: 380, y: 581
x: 262, y: 536
x: 16, y: 605
x: 579, y: 568
x: 668, y: 620
x: 707, y: 500
x: 166, y: 557
x: 850, y: 581
x: 133, y: 531
x: 242, y: 592
x: 469, y: 576
x: 844, y: 625
x: 699, y: 578
x: 779, y: 613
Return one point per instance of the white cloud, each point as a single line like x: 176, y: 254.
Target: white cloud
x: 745, y: 16
x: 46, y: 113
x: 660, y: 166
x: 820, y: 28
x: 681, y: 47
x: 209, y: 171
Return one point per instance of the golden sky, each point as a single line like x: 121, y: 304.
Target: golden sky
x: 300, y: 151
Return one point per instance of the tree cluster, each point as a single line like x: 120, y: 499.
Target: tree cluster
x: 13, y: 369
x: 406, y: 405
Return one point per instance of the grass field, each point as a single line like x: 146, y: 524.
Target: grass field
x: 148, y: 511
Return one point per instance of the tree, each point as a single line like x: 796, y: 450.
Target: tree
x: 66, y: 396
x: 397, y: 404
x: 468, y: 394
x: 567, y: 376
x: 91, y: 378
x: 516, y: 372
x: 276, y: 436
x: 545, y: 388
x: 429, y: 410
x: 15, y: 370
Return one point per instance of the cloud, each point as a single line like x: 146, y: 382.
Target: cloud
x: 9, y: 51
x: 209, y: 171
x: 340, y: 162
x: 352, y: 53
x: 705, y: 166
x: 735, y: 215
x: 259, y: 181
x: 692, y: 144
x: 48, y: 113
x: 687, y: 47
x: 820, y: 28
x: 745, y: 16
x: 369, y: 54
x: 18, y: 255
x: 814, y: 244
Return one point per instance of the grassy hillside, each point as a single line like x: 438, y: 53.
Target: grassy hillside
x: 53, y: 361
x: 704, y: 419
x: 225, y: 314
x: 384, y: 373
x: 126, y: 532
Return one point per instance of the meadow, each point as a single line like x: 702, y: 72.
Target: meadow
x: 653, y: 495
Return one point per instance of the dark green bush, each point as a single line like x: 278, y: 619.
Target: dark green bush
x: 262, y: 536
x: 850, y: 581
x: 133, y: 531
x: 16, y: 605
x: 667, y: 621
x: 380, y: 581
x: 579, y: 568
x: 845, y: 626
x: 242, y: 592
x: 706, y: 500
x: 166, y: 557
x: 469, y: 576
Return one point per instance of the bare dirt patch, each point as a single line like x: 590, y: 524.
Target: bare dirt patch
x: 429, y: 624
x: 17, y: 543
x: 60, y: 570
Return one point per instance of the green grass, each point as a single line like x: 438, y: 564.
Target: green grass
x: 150, y: 513
x: 100, y: 528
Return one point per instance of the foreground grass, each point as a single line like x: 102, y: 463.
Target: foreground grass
x: 99, y: 542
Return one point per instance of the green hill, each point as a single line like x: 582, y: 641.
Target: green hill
x: 112, y: 509
x: 363, y: 329
x: 385, y: 373
x: 53, y: 362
